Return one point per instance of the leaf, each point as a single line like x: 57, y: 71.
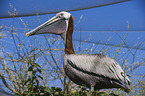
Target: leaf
x: 26, y: 81
x: 58, y: 89
x: 40, y: 77
x: 83, y: 89
x: 112, y: 94
x: 33, y: 78
x: 52, y: 88
x: 35, y: 64
x: 39, y: 70
x: 101, y: 94
x: 30, y: 68
x: 34, y: 72
x: 74, y: 91
x: 37, y: 81
x: 29, y: 86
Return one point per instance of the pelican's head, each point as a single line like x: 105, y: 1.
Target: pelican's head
x: 57, y: 25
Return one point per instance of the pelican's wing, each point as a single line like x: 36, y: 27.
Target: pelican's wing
x: 98, y: 65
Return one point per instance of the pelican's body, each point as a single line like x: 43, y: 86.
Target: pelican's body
x: 94, y: 71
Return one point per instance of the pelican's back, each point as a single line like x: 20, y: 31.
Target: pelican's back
x: 95, y: 70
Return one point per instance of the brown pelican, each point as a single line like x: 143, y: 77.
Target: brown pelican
x: 95, y: 71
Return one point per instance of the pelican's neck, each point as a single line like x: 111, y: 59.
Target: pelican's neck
x: 68, y: 43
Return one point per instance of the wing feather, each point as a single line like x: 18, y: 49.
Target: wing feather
x: 97, y: 64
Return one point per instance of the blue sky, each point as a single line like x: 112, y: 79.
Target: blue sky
x: 96, y: 21
x: 101, y: 19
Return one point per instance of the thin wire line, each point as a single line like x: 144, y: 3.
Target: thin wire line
x: 33, y: 14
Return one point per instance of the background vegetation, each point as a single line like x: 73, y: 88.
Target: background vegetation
x: 34, y: 65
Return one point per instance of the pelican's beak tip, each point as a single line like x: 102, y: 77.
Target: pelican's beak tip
x: 27, y: 35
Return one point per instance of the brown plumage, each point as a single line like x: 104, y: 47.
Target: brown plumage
x: 69, y: 45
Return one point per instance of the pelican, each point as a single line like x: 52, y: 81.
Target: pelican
x: 95, y: 71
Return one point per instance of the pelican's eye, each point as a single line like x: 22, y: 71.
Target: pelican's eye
x: 60, y: 15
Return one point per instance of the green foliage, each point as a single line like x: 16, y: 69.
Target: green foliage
x: 34, y: 65
x: 32, y: 83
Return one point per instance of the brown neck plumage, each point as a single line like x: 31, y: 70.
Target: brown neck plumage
x: 69, y: 45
